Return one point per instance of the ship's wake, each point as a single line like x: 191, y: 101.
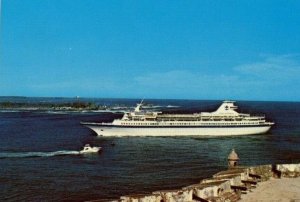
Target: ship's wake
x: 36, y: 154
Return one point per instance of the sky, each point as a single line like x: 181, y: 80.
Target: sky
x: 165, y: 49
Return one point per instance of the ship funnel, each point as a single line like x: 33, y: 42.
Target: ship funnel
x: 227, y: 107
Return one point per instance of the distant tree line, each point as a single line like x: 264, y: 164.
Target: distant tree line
x: 44, y: 105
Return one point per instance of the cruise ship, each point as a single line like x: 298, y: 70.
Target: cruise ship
x: 225, y: 121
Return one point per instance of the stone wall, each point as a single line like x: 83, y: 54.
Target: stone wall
x: 289, y: 170
x: 264, y: 171
x: 223, y: 186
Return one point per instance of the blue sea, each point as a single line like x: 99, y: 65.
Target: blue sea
x: 39, y: 158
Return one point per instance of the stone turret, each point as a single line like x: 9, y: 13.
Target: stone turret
x: 233, y: 159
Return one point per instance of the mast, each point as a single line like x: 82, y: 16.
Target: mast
x: 137, y: 108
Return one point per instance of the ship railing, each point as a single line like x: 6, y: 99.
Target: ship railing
x: 256, y: 117
x: 253, y: 115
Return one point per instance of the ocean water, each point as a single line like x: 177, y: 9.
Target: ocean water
x: 39, y: 157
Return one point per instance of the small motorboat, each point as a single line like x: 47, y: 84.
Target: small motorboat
x: 87, y: 149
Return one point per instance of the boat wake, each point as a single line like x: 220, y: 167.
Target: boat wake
x: 36, y: 154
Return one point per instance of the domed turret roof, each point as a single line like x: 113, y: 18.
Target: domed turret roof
x: 233, y: 155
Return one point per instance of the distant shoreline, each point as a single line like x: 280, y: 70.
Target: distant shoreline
x: 67, y: 106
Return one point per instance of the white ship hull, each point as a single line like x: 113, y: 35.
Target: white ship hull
x: 225, y: 121
x: 177, y: 131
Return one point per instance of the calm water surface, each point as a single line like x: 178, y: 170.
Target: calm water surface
x: 30, y: 171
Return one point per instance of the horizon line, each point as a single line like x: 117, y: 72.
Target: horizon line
x: 134, y: 98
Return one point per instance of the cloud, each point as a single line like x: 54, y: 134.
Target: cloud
x: 186, y: 84
x: 182, y: 79
x: 264, y: 80
x: 271, y: 78
x: 281, y: 68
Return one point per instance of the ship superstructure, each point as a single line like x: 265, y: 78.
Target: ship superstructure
x: 224, y: 121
